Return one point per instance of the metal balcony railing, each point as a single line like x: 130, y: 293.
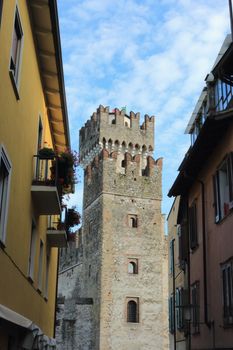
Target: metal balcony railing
x: 46, y: 189
x: 45, y: 170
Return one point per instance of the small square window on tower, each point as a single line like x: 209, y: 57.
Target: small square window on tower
x: 132, y: 220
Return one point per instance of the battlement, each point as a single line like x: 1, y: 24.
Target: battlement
x: 120, y: 173
x: 116, y: 131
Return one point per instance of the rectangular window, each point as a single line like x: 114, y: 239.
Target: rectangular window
x: 223, y: 95
x: 171, y: 314
x: 47, y: 275
x: 183, y: 245
x: 195, y: 295
x: 171, y: 256
x: 132, y: 310
x: 40, y: 270
x: 180, y: 308
x: 193, y: 226
x: 223, y: 188
x: 5, y: 170
x: 227, y: 287
x: 1, y: 5
x: 32, y: 252
x: 16, y: 50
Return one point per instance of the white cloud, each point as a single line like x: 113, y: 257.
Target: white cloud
x: 151, y: 56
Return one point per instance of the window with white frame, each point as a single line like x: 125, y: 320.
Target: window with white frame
x: 32, y: 252
x: 16, y: 48
x: 223, y: 188
x: 40, y: 270
x: 1, y: 4
x: 227, y: 291
x: 47, y: 275
x: 223, y: 95
x: 5, y: 170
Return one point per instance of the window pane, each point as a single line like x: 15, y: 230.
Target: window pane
x: 40, y: 265
x: 132, y: 311
x: 132, y: 267
x: 3, y: 196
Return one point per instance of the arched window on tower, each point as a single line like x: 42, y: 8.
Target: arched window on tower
x: 133, y: 266
x: 132, y: 310
x: 132, y: 220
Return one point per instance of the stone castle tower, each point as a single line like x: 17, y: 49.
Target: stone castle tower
x: 123, y: 267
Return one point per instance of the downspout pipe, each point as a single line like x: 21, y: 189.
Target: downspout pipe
x: 55, y: 306
x: 174, y: 291
x: 231, y: 18
x: 204, y: 251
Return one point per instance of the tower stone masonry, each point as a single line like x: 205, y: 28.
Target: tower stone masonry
x: 121, y: 272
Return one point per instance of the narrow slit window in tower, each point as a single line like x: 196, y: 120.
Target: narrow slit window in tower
x: 133, y: 221
x: 132, y: 311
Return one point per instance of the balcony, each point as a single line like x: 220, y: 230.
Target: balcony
x: 57, y: 232
x: 46, y: 191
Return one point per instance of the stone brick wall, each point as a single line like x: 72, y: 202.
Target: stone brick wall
x: 121, y: 181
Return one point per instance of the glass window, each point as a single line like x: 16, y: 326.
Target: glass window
x: 193, y: 237
x: 40, y: 270
x: 16, y: 47
x: 195, y: 294
x: 5, y: 169
x: 227, y: 287
x: 133, y: 266
x: 223, y: 188
x: 132, y: 311
x: 32, y: 251
x: 1, y: 4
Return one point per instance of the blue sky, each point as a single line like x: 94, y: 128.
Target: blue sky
x: 150, y: 55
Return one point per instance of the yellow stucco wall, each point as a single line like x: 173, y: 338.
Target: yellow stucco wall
x: 19, y: 134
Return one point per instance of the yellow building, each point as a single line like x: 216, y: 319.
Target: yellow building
x: 33, y: 115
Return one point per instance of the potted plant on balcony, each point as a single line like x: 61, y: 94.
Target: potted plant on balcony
x: 67, y: 163
x: 72, y: 219
x: 46, y: 153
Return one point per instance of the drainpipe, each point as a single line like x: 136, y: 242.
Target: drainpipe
x: 189, y: 279
x: 231, y: 18
x: 55, y: 308
x: 204, y: 252
x: 174, y: 292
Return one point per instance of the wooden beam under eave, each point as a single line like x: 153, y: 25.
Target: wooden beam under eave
x: 39, y: 3
x: 46, y: 53
x: 49, y: 74
x: 52, y: 91
x: 54, y: 107
x: 43, y: 31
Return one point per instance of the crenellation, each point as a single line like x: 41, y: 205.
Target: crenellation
x: 121, y: 220
x: 106, y: 125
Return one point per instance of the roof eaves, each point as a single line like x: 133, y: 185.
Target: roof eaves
x: 57, y: 44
